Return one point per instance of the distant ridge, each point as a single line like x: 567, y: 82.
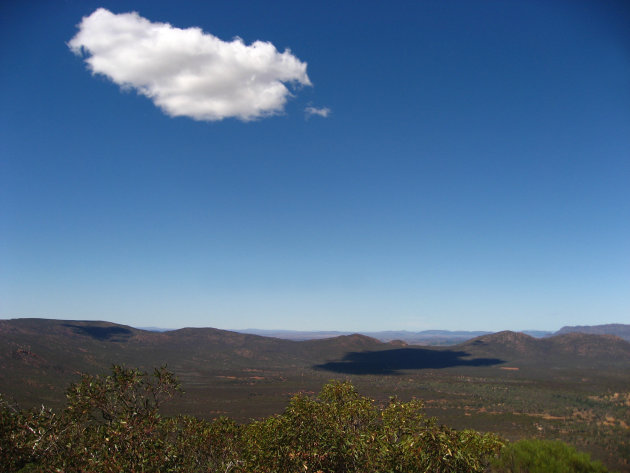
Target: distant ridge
x: 155, y: 329
x: 568, y: 349
x: 426, y: 337
x: 619, y: 330
x: 40, y: 357
x: 440, y: 337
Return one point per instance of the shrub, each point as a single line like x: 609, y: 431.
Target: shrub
x: 14, y: 450
x: 544, y: 456
x: 110, y: 424
x: 342, y: 431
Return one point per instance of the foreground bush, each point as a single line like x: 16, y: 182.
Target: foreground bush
x: 14, y: 449
x: 342, y: 431
x: 112, y: 424
x: 544, y: 456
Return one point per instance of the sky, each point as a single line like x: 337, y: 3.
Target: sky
x: 354, y: 166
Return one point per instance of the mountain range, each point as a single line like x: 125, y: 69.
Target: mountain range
x: 440, y: 337
x: 40, y: 357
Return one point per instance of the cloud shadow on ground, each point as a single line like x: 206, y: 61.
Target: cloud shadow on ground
x: 394, y: 361
x: 102, y: 333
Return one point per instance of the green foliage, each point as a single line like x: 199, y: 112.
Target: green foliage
x: 544, y: 456
x: 14, y: 451
x: 331, y: 433
x: 197, y: 445
x: 110, y: 424
x: 342, y: 431
x: 124, y: 395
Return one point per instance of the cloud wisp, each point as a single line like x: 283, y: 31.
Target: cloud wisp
x: 187, y: 72
x: 321, y: 112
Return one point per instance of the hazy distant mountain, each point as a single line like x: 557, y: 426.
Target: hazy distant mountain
x: 537, y: 333
x: 155, y: 329
x: 426, y: 337
x: 296, y: 335
x: 438, y: 337
x: 619, y: 330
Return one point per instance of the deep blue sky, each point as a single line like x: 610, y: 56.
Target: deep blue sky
x: 474, y: 172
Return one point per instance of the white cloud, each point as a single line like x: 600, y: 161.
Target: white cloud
x: 187, y: 72
x: 322, y: 112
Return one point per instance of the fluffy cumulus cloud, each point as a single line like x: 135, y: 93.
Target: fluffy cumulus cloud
x: 187, y: 72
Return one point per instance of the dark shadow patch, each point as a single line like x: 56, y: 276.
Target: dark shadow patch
x: 112, y: 334
x: 393, y: 361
